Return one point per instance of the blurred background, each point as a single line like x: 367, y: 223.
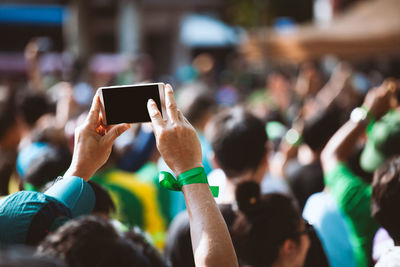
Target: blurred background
x: 300, y: 66
x: 179, y: 41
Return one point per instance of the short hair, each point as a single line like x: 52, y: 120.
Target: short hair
x: 385, y: 200
x: 47, y: 166
x: 151, y: 253
x: 263, y: 224
x: 91, y: 241
x: 238, y: 139
x: 104, y: 203
x: 21, y: 256
x: 321, y: 127
x: 32, y: 105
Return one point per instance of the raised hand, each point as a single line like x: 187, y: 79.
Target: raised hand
x: 93, y: 143
x: 379, y: 100
x: 176, y: 138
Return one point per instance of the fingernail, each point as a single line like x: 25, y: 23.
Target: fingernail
x: 152, y: 107
x: 169, y: 88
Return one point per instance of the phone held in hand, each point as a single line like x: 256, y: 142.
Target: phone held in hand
x: 128, y: 103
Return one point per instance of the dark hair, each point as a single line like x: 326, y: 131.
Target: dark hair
x: 91, y: 241
x: 151, y: 253
x: 263, y: 224
x: 104, y: 203
x: 238, y: 139
x: 385, y: 200
x: 47, y: 166
x: 32, y: 105
x: 194, y: 101
x: 21, y: 256
x: 7, y: 110
x: 320, y: 128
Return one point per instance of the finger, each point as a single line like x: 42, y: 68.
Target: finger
x: 170, y: 104
x: 156, y: 120
x: 93, y: 116
x: 180, y: 116
x: 115, y: 131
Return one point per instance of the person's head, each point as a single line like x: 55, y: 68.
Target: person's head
x: 269, y: 229
x: 91, y: 241
x: 21, y: 256
x: 104, y: 205
x: 385, y: 199
x: 151, y: 253
x: 45, y: 166
x: 319, y: 128
x: 196, y: 103
x: 32, y: 105
x: 239, y: 141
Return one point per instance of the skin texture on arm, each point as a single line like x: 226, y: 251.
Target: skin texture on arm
x: 339, y: 148
x: 179, y: 145
x: 93, y: 143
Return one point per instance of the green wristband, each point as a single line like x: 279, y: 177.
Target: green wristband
x: 193, y: 176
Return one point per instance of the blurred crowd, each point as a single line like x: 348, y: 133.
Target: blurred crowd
x: 306, y: 158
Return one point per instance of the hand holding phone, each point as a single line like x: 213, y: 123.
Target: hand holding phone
x: 128, y: 103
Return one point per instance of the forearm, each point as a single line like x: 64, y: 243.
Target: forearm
x: 212, y: 245
x: 342, y: 144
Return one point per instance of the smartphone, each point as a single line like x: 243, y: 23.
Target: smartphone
x: 128, y: 103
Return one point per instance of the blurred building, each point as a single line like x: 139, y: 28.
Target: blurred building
x: 89, y: 27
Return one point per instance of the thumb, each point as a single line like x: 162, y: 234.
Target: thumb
x: 115, y: 131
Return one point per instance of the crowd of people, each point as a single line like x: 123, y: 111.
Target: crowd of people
x: 302, y: 172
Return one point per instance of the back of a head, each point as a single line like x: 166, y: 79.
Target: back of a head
x: 151, y: 253
x: 385, y: 200
x: 91, y: 241
x: 32, y: 105
x: 104, y: 204
x: 263, y: 224
x: 47, y: 166
x: 195, y: 100
x: 238, y: 139
x: 320, y: 128
x: 21, y: 256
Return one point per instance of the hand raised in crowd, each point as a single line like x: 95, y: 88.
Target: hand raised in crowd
x: 180, y: 147
x: 176, y: 138
x: 93, y: 143
x: 379, y: 100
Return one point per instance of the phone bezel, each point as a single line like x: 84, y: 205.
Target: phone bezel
x: 161, y: 88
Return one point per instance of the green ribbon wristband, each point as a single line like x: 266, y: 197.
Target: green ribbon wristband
x: 193, y: 176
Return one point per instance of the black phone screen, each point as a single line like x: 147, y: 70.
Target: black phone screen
x: 129, y: 104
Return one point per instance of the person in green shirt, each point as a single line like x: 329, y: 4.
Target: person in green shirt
x: 352, y: 194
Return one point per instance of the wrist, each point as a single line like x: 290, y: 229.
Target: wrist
x: 82, y: 172
x: 179, y: 171
x: 362, y: 115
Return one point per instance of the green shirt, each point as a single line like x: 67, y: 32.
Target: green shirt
x: 353, y: 197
